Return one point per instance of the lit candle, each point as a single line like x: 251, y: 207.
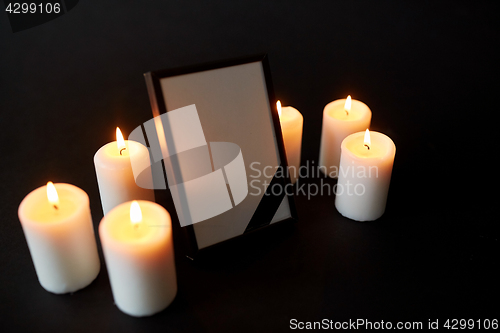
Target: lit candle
x: 57, y: 224
x: 291, y: 127
x: 340, y: 119
x: 138, y: 248
x: 115, y: 175
x: 365, y: 174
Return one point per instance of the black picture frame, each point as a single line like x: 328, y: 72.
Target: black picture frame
x: 271, y: 201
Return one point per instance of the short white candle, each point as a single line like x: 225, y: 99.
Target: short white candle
x: 138, y: 248
x: 115, y: 176
x: 364, y: 176
x: 57, y: 224
x: 291, y: 127
x: 340, y: 119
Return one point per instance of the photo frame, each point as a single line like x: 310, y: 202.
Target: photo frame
x: 222, y: 134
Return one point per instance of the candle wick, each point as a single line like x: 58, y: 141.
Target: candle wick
x: 122, y: 150
x: 55, y: 206
x: 367, y: 146
x: 346, y: 112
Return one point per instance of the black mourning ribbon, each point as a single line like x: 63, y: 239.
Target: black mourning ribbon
x: 268, y: 205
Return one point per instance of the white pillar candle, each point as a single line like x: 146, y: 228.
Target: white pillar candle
x: 340, y: 119
x: 57, y: 224
x: 138, y: 248
x: 115, y: 176
x: 291, y: 127
x: 364, y: 176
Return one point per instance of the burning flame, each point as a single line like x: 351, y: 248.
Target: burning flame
x: 278, y: 105
x: 52, y: 194
x: 347, y: 105
x: 135, y: 213
x: 120, y: 142
x: 367, y: 141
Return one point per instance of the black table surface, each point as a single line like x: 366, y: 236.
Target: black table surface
x: 429, y: 73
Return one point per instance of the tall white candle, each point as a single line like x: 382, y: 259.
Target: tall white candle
x: 115, y: 176
x: 57, y: 224
x: 340, y: 119
x: 365, y: 174
x: 138, y: 248
x: 291, y: 127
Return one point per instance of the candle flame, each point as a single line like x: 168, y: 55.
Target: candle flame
x: 278, y: 105
x: 135, y: 213
x: 367, y: 140
x: 120, y: 142
x: 52, y: 194
x: 347, y: 105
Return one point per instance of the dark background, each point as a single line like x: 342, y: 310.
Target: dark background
x: 427, y: 70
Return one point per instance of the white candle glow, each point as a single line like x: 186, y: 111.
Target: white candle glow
x: 365, y: 174
x: 113, y: 166
x: 340, y: 119
x: 58, y: 227
x: 138, y: 248
x: 291, y: 127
